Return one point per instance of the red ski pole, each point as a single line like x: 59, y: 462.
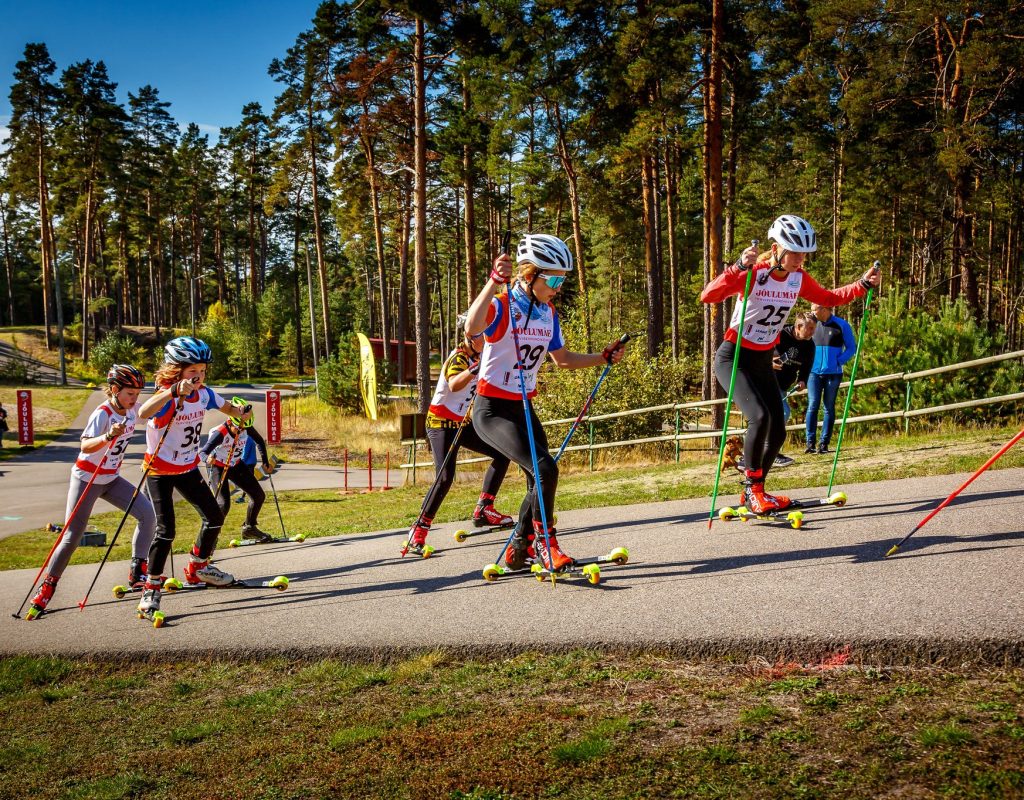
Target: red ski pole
x: 949, y: 499
x: 60, y: 533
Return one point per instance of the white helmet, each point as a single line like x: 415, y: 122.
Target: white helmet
x: 794, y: 234
x: 546, y: 251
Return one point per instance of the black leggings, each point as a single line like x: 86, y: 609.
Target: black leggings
x: 196, y: 491
x: 243, y: 476
x: 502, y: 424
x: 441, y: 440
x: 758, y: 396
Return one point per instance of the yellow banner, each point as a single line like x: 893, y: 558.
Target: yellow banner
x: 367, y: 377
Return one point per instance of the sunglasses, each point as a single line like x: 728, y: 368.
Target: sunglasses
x: 553, y: 281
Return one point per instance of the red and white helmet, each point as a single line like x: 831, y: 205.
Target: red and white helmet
x: 125, y: 376
x: 794, y: 233
x: 546, y: 251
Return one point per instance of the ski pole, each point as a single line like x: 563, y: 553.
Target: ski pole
x: 451, y: 449
x: 586, y: 406
x: 732, y: 385
x: 131, y: 503
x: 60, y: 533
x: 853, y: 376
x: 224, y: 474
x: 965, y: 484
x: 270, y: 475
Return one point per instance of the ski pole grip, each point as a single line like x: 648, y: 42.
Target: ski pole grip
x: 506, y: 241
x: 610, y: 350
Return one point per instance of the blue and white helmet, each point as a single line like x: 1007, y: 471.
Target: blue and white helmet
x: 187, y: 350
x: 546, y: 251
x: 794, y: 233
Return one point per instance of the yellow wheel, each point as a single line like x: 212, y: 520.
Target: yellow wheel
x: 727, y: 514
x: 234, y: 543
x: 280, y: 583
x: 461, y: 536
x: 592, y: 573
x: 428, y: 551
x: 120, y: 591
x: 491, y: 572
x: 838, y: 499
x: 172, y: 585
x: 158, y: 619
x: 795, y: 518
x: 620, y: 555
x: 538, y: 572
x: 300, y: 538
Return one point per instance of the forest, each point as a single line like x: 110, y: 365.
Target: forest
x: 657, y: 137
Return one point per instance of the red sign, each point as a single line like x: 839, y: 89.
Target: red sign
x: 25, y: 432
x: 273, y: 418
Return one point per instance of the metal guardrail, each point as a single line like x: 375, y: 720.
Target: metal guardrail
x: 679, y: 435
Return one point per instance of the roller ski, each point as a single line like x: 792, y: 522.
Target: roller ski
x: 42, y: 598
x: 149, y: 606
x: 281, y: 582
x: 588, y: 568
x: 792, y: 513
x: 417, y: 541
x: 298, y: 537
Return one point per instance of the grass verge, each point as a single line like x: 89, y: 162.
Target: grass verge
x: 328, y: 513
x: 53, y: 410
x: 577, y: 725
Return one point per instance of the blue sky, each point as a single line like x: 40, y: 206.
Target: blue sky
x: 207, y: 58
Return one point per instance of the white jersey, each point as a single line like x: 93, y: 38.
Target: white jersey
x: 101, y: 421
x: 180, y: 450
x: 499, y: 375
x: 230, y: 446
x: 447, y: 403
x: 768, y: 306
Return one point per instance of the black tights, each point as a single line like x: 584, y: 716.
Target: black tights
x: 502, y: 424
x: 196, y: 491
x: 441, y: 440
x: 758, y: 396
x: 243, y: 477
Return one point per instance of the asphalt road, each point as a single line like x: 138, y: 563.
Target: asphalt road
x: 33, y: 487
x: 954, y: 594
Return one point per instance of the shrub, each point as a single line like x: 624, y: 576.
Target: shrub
x: 114, y: 348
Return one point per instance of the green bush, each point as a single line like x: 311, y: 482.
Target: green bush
x: 115, y: 348
x: 339, y: 377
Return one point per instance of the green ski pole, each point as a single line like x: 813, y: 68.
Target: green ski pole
x: 732, y: 384
x: 853, y: 377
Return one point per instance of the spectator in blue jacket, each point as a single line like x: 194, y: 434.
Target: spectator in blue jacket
x: 834, y: 345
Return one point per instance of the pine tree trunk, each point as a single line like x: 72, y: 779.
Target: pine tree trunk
x: 422, y: 279
x: 297, y: 287
x: 468, y: 182
x: 8, y: 265
x: 46, y: 261
x: 673, y: 266
x: 838, y: 173
x: 652, y: 269
x: 378, y: 238
x: 403, y: 275
x: 318, y: 236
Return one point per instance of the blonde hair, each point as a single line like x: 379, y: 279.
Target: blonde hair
x: 168, y: 374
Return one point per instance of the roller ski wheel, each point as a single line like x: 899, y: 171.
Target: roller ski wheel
x: 34, y: 612
x: 423, y: 551
x: 156, y: 617
x: 121, y: 590
x: 587, y: 568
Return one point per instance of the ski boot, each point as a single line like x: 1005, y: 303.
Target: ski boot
x: 42, y: 598
x: 756, y: 500
x: 200, y: 570
x: 553, y: 559
x: 149, y: 605
x: 138, y: 571
x: 520, y: 549
x: 486, y: 515
x: 417, y: 541
x: 254, y: 533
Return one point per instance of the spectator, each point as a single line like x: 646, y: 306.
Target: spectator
x: 834, y: 345
x: 3, y: 423
x: 794, y: 357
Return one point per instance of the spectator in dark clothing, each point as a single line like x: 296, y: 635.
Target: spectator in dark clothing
x: 794, y: 356
x: 3, y: 423
x: 835, y: 344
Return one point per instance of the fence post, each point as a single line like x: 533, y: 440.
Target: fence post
x: 677, y: 435
x: 369, y: 468
x: 346, y: 470
x: 906, y: 408
x: 590, y: 446
x: 413, y: 450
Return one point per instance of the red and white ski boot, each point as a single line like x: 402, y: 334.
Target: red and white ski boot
x: 549, y: 553
x: 417, y: 541
x: 42, y: 598
x: 486, y: 515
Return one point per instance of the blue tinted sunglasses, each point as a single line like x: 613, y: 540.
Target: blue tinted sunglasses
x: 553, y: 281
